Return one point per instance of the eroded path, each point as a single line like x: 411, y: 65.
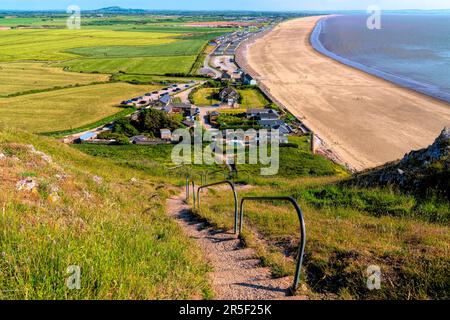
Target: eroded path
x: 237, y: 274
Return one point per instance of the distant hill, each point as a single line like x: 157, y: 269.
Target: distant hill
x: 119, y: 10
x: 419, y: 171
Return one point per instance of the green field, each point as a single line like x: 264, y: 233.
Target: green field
x: 67, y: 108
x: 178, y: 48
x: 18, y: 78
x: 47, y: 44
x: 141, y: 65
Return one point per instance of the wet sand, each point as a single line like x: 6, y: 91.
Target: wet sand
x: 365, y: 120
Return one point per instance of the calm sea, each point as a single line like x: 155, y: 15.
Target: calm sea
x: 410, y: 50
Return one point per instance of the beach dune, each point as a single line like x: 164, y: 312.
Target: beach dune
x: 365, y: 120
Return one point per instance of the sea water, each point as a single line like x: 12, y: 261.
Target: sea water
x: 410, y: 50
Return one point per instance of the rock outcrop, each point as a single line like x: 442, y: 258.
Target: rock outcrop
x: 419, y: 171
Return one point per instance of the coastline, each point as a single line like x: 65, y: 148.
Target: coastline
x: 417, y: 86
x: 363, y: 120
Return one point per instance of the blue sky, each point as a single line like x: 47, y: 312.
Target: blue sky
x: 279, y: 5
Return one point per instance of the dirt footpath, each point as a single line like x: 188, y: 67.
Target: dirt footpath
x: 237, y: 274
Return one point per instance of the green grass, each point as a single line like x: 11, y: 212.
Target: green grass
x: 139, y: 65
x: 205, y: 96
x: 178, y: 48
x: 116, y: 231
x: 253, y: 98
x: 63, y: 133
x: 51, y: 45
x: 67, y: 108
x: 148, y: 78
x: 16, y: 78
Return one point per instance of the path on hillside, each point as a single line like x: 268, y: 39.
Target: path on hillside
x: 237, y: 274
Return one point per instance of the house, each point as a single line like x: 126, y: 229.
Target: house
x: 165, y: 134
x: 248, y: 79
x: 179, y: 107
x: 165, y: 99
x: 262, y: 114
x: 229, y: 95
x: 270, y: 124
x: 88, y: 136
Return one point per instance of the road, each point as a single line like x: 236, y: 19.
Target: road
x: 207, y: 65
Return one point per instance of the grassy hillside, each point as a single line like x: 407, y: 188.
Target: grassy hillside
x: 84, y: 211
x: 67, y: 108
x: 348, y: 228
x: 19, y: 78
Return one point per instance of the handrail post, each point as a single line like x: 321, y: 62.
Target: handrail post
x: 193, y: 191
x: 301, y: 247
x: 231, y: 184
x: 187, y: 188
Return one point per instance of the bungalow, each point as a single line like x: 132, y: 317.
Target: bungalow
x: 270, y: 124
x: 262, y: 114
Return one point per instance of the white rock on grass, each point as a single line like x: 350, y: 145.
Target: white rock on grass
x: 97, y: 179
x: 28, y: 184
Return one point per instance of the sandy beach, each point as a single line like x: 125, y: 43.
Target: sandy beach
x: 365, y: 120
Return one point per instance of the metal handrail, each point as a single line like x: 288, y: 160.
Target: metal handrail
x: 188, y: 182
x: 231, y: 184
x: 301, y: 249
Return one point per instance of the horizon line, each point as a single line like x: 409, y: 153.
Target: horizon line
x: 225, y: 10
